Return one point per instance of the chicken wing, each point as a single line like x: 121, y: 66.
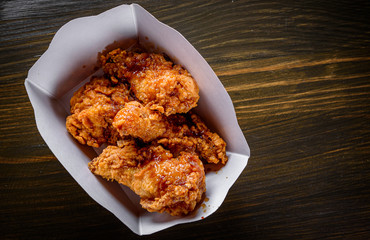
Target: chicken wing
x: 93, y: 108
x: 138, y: 121
x: 199, y: 139
x: 178, y: 132
x: 155, y: 81
x: 164, y: 183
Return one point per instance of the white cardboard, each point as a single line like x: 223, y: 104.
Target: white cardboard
x: 70, y: 60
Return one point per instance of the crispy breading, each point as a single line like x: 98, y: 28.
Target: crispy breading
x: 164, y: 183
x: 190, y: 134
x: 100, y: 91
x: 155, y: 81
x: 185, y: 132
x: 138, y: 121
x: 93, y: 108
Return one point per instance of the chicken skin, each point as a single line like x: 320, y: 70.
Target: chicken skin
x: 155, y: 81
x: 179, y: 132
x: 195, y: 136
x: 164, y: 183
x: 93, y: 108
x: 138, y: 121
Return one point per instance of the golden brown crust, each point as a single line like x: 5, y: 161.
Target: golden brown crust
x: 164, y: 183
x: 93, y: 108
x: 156, y: 82
x: 100, y: 91
x: 194, y: 135
x: 91, y: 126
x: 178, y: 133
x: 138, y: 121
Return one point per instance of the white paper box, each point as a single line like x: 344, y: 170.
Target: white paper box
x: 70, y: 60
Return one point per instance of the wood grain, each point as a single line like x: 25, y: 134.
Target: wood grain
x: 299, y: 77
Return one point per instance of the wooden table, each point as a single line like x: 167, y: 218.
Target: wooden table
x: 298, y: 73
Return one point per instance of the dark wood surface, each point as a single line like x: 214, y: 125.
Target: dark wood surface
x: 298, y: 73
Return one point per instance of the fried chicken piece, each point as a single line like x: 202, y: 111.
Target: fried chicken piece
x: 155, y: 81
x: 138, y: 121
x: 176, y: 132
x: 194, y: 136
x: 92, y: 125
x: 101, y: 91
x: 164, y: 183
x: 212, y: 148
x: 93, y: 108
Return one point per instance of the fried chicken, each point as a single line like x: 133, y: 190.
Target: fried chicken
x: 156, y: 145
x: 179, y: 132
x: 156, y: 82
x: 164, y: 183
x: 138, y: 121
x: 195, y: 136
x: 93, y: 108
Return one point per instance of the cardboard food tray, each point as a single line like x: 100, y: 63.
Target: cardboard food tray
x: 70, y: 61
